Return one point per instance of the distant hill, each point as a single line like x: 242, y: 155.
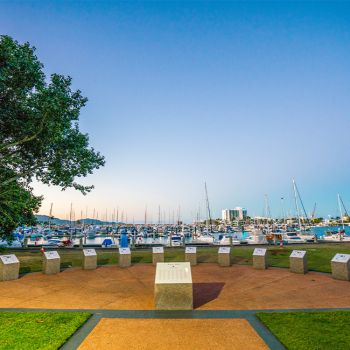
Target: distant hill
x: 56, y: 221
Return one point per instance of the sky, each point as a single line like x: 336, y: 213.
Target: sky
x: 242, y: 95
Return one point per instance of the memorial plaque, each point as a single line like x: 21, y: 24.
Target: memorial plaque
x: 89, y: 259
x: 191, y: 250
x: 124, y: 257
x: 259, y: 251
x: 260, y: 258
x: 9, y: 259
x: 341, y: 267
x: 191, y: 255
x: 298, y: 254
x: 89, y: 252
x: 224, y: 250
x: 124, y: 251
x: 173, y: 286
x: 51, y: 263
x: 158, y: 255
x: 9, y: 267
x: 298, y: 261
x: 341, y: 258
x: 51, y: 255
x: 158, y: 250
x: 224, y: 257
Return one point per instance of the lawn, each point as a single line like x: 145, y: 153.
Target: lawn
x: 310, y: 330
x: 38, y: 330
x: 319, y: 256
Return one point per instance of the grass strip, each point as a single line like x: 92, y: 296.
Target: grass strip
x: 38, y: 330
x: 310, y: 330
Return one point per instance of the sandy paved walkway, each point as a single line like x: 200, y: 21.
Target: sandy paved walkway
x: 174, y: 334
x: 236, y: 287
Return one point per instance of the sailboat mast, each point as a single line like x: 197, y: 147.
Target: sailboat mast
x: 296, y: 203
x: 50, y: 215
x: 341, y: 213
x: 345, y: 211
x: 208, y: 207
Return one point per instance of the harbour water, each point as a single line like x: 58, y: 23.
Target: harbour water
x: 165, y: 241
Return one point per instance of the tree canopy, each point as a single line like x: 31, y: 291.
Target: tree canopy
x: 39, y: 131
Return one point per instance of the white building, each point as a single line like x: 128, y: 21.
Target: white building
x: 235, y: 214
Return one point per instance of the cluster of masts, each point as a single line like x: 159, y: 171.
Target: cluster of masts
x: 171, y: 217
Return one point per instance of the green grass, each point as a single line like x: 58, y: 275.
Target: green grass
x: 38, y: 330
x: 310, y: 330
x: 319, y: 256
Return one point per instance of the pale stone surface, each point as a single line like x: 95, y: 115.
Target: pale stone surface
x: 89, y: 259
x: 260, y: 258
x: 173, y: 334
x: 341, y: 267
x: 9, y: 267
x: 298, y: 261
x: 191, y: 255
x: 157, y: 255
x: 51, y: 263
x: 224, y: 256
x: 173, y: 286
x: 124, y: 257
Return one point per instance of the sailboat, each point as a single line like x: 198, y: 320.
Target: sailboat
x: 340, y: 235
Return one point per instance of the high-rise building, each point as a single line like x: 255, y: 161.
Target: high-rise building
x: 239, y: 213
x: 235, y: 214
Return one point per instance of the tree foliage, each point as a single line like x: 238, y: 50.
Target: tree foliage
x: 39, y: 131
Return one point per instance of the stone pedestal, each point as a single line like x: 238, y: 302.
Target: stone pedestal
x: 224, y: 256
x: 260, y: 258
x: 341, y: 267
x: 89, y: 259
x: 52, y: 262
x: 173, y: 286
x: 157, y: 255
x: 298, y: 261
x: 124, y: 257
x: 9, y: 267
x: 191, y: 255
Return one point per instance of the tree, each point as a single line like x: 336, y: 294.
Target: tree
x: 17, y: 204
x: 39, y: 131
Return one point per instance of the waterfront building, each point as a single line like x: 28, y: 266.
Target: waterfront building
x: 236, y: 214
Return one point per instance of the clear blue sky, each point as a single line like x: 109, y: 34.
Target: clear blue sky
x: 242, y: 95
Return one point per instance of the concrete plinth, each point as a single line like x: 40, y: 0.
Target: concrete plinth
x: 89, y: 259
x: 260, y: 258
x: 9, y: 267
x: 298, y: 261
x: 51, y: 263
x: 341, y: 267
x: 124, y: 257
x: 191, y: 255
x: 224, y: 256
x: 157, y: 255
x: 173, y: 286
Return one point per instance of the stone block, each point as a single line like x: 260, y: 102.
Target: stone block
x: 191, y: 255
x: 224, y: 256
x: 341, y: 267
x: 157, y: 255
x: 260, y: 258
x: 51, y: 263
x: 124, y: 257
x: 89, y: 259
x: 173, y: 286
x: 298, y: 261
x: 9, y: 267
